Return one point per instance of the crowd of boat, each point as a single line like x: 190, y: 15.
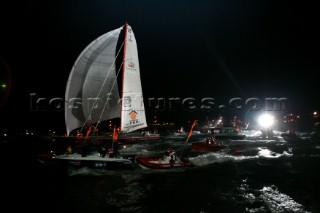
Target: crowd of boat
x: 108, y: 154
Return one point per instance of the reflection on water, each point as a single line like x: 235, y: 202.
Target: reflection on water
x: 279, y: 202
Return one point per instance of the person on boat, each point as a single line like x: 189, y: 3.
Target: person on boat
x: 52, y: 154
x: 168, y: 151
x: 208, y: 141
x: 69, y: 150
x: 84, y: 150
x: 211, y: 141
x: 112, y: 152
x: 103, y: 151
x: 171, y: 154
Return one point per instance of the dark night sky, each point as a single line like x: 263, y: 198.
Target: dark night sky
x: 219, y: 49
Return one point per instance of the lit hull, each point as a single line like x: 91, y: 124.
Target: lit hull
x: 93, y: 161
x: 157, y: 163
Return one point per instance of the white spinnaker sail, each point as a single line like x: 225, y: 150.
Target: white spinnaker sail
x: 133, y: 112
x: 91, y: 81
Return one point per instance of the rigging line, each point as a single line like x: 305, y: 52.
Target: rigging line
x: 104, y: 107
x: 104, y: 82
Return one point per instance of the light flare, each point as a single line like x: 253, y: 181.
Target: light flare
x: 266, y: 120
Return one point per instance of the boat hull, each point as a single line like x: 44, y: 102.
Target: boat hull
x: 94, y: 161
x: 203, y: 147
x: 230, y: 132
x: 155, y: 163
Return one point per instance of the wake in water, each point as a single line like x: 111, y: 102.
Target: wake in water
x: 220, y: 157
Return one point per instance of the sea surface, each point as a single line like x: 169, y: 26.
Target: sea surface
x: 252, y: 175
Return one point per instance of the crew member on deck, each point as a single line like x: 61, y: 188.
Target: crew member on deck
x: 213, y: 140
x: 112, y: 153
x: 84, y: 150
x: 69, y: 150
x: 103, y: 151
x: 172, y: 154
x: 208, y: 141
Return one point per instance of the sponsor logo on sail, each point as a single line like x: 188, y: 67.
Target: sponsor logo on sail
x: 133, y: 117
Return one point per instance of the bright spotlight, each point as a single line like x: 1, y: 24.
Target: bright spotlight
x: 266, y: 120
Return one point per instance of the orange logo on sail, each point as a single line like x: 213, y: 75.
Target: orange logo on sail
x: 133, y: 115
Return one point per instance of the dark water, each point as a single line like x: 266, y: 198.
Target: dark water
x: 252, y: 176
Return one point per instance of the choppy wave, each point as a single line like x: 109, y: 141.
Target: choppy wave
x: 250, y: 176
x: 218, y: 157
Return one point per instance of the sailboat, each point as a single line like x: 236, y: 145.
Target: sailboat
x: 95, y: 92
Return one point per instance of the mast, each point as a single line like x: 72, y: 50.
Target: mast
x: 123, y: 66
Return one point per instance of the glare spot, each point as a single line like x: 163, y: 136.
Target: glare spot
x: 266, y: 120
